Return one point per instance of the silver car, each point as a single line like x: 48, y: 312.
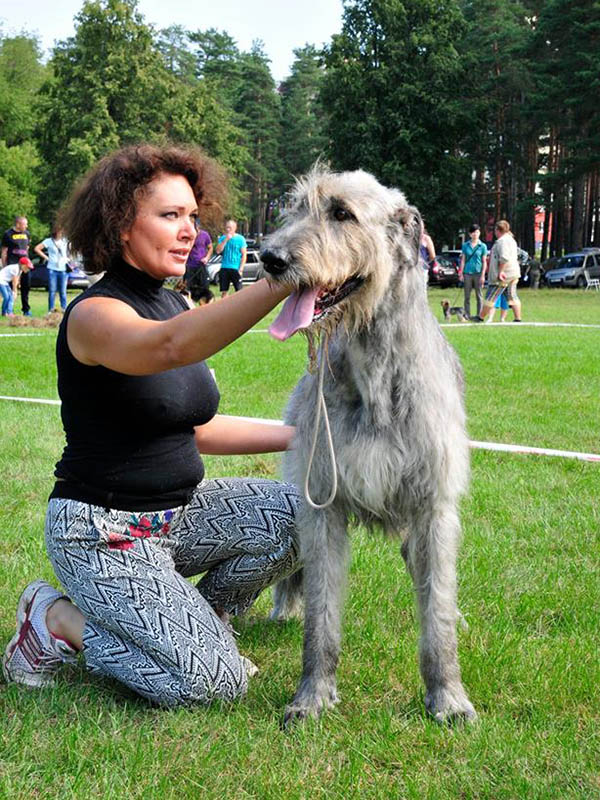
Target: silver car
x: 253, y: 268
x: 570, y: 270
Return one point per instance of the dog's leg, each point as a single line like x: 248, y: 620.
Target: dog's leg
x: 325, y: 554
x: 431, y: 559
x: 287, y: 598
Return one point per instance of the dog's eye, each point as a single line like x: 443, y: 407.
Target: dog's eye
x: 341, y: 214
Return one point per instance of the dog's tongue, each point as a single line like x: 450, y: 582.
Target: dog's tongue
x: 297, y: 312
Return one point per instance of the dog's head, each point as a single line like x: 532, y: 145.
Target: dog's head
x: 445, y: 305
x: 345, y: 238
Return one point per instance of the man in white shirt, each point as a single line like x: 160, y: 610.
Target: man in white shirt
x: 504, y: 272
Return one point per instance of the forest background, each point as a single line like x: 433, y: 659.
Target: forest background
x: 477, y: 110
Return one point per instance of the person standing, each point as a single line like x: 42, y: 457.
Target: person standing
x: 15, y: 245
x: 196, y: 275
x: 427, y: 254
x: 535, y: 274
x: 9, y: 283
x: 504, y: 272
x: 472, y: 267
x: 233, y: 247
x: 53, y: 250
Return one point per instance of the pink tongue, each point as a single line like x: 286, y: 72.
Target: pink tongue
x: 297, y: 312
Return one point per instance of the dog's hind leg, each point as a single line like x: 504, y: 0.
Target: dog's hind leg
x: 431, y: 558
x: 324, y: 544
x: 287, y: 598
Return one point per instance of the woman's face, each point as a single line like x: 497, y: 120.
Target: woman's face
x: 162, y: 234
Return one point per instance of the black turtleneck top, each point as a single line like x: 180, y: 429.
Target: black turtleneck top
x: 130, y: 439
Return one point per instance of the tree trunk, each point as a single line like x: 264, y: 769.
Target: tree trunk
x: 577, y: 213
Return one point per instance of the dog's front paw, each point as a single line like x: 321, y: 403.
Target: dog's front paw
x: 310, y: 702
x: 450, y: 705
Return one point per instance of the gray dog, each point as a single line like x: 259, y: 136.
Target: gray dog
x: 393, y: 388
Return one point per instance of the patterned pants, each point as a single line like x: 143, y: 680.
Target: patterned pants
x: 146, y: 625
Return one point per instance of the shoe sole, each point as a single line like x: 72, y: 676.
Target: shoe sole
x: 17, y: 675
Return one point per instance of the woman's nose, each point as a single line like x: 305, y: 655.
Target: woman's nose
x: 188, y: 229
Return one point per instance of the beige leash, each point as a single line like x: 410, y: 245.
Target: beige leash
x: 321, y: 409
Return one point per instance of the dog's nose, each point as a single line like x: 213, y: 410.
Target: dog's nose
x: 273, y: 263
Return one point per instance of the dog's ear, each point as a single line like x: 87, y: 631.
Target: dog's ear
x: 409, y: 220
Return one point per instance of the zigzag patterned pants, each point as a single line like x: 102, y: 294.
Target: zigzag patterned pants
x: 147, y: 626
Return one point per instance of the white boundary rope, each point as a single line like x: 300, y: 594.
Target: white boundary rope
x: 494, y: 446
x: 506, y: 325
x: 14, y: 335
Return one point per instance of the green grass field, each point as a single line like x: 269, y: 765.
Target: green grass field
x: 529, y: 589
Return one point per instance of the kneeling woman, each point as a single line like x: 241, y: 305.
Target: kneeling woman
x: 131, y: 515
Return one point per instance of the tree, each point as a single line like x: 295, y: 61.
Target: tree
x: 568, y: 72
x: 304, y: 139
x: 111, y: 85
x: 173, y: 43
x: 258, y: 107
x: 503, y: 140
x: 21, y: 74
x: 390, y: 108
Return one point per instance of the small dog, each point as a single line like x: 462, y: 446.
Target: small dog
x: 450, y: 311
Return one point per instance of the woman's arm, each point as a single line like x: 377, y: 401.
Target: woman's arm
x: 228, y: 436
x: 39, y: 251
x: 430, y: 248
x: 209, y: 250
x: 104, y: 331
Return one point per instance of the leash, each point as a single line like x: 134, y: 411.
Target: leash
x: 321, y: 408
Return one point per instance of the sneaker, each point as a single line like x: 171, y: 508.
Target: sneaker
x: 516, y: 320
x: 249, y: 666
x: 34, y: 654
x: 476, y: 318
x: 27, y: 314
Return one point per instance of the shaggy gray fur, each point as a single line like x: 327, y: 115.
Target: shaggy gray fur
x: 393, y: 388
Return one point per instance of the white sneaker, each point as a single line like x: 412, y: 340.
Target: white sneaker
x: 34, y: 654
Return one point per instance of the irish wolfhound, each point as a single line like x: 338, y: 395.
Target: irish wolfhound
x: 393, y: 388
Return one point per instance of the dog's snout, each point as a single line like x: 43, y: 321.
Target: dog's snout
x: 273, y: 263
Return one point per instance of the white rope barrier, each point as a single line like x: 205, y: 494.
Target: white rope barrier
x: 493, y: 446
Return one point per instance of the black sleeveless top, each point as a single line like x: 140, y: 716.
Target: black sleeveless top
x: 130, y: 438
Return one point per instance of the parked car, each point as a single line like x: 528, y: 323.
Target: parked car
x: 443, y: 272
x: 570, y: 269
x: 253, y: 268
x: 453, y: 256
x: 76, y: 278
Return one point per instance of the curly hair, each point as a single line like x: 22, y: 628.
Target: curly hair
x: 104, y: 203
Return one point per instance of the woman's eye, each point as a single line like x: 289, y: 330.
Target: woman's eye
x: 341, y: 214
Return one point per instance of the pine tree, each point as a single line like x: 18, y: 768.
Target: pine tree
x: 390, y: 88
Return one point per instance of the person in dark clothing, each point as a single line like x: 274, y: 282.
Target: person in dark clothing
x: 196, y: 274
x: 15, y: 246
x: 131, y: 515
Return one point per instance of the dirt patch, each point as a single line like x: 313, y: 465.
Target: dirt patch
x: 50, y: 320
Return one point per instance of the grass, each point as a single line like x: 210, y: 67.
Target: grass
x: 529, y: 589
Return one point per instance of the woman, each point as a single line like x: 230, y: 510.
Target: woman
x: 130, y: 516
x: 427, y: 254
x: 53, y: 251
x: 504, y: 272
